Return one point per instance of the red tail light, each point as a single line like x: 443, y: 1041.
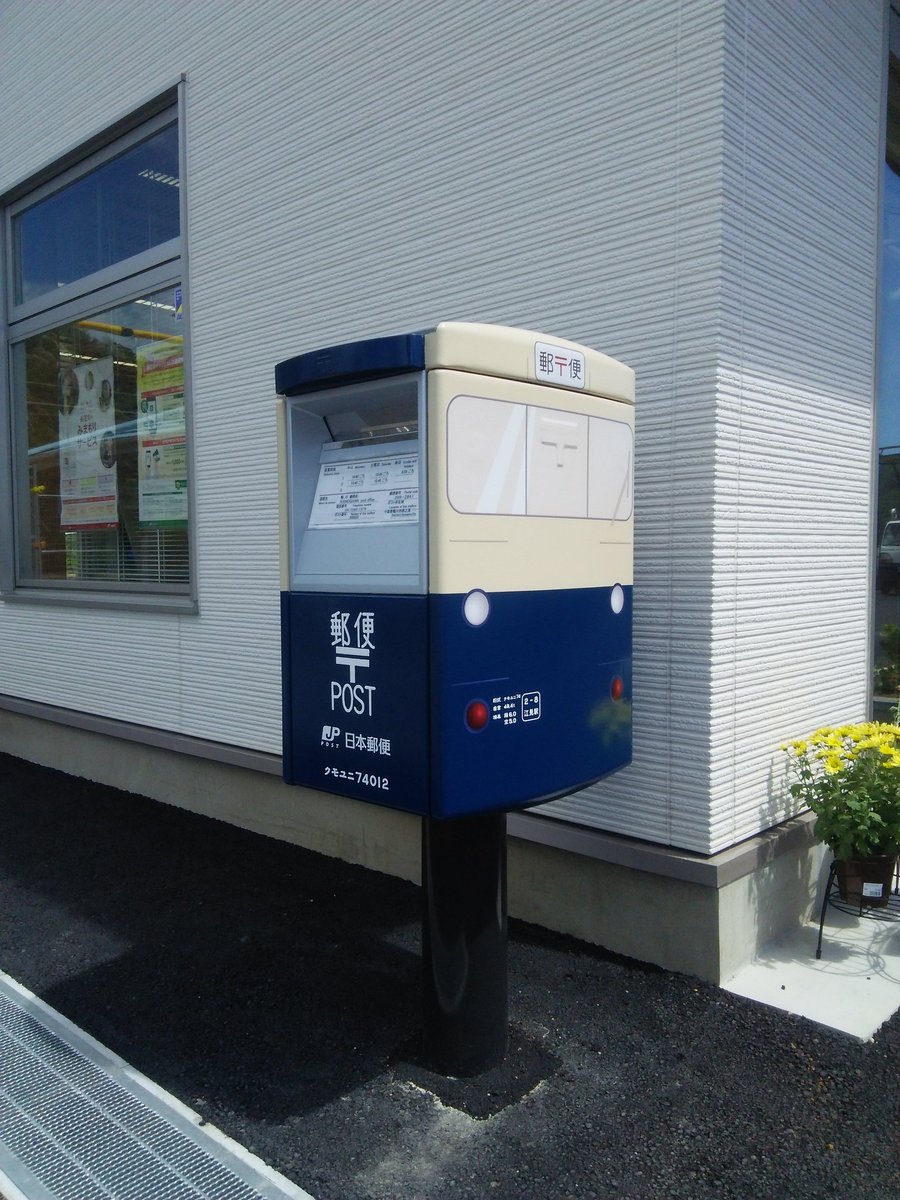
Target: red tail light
x: 477, y: 715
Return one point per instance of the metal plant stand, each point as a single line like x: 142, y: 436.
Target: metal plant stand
x: 832, y: 897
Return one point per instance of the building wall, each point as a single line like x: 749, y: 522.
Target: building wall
x: 763, y: 587
x: 796, y: 394
x: 688, y: 187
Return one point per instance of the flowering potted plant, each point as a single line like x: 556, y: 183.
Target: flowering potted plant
x: 849, y: 775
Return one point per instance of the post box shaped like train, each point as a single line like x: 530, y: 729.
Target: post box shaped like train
x: 457, y: 530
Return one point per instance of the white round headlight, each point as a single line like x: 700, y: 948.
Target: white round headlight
x: 476, y: 607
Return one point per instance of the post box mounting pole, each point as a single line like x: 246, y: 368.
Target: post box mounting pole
x: 464, y: 968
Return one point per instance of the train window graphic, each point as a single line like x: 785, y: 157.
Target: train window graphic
x: 523, y: 460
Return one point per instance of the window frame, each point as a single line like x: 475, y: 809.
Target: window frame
x: 135, y: 264
x: 881, y: 698
x: 151, y: 270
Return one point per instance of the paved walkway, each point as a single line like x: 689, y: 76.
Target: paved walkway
x: 854, y: 986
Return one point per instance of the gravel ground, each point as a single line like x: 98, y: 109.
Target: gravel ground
x: 275, y: 991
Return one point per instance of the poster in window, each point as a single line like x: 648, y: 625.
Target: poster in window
x: 88, y: 480
x: 161, y: 439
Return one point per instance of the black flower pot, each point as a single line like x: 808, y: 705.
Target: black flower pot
x: 866, y: 882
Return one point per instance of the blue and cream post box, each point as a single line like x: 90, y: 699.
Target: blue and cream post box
x: 456, y: 568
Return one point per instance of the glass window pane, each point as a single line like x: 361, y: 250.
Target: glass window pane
x: 886, y: 630
x: 103, y: 458
x: 127, y: 205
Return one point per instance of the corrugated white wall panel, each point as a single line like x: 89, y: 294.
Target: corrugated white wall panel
x: 598, y: 171
x: 766, y: 591
x: 796, y: 394
x: 674, y: 351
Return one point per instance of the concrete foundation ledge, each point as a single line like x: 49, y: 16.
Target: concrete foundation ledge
x: 704, y: 916
x: 708, y: 927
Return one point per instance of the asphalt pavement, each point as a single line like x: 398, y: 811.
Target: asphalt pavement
x: 276, y: 992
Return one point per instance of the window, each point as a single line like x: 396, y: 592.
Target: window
x: 886, y: 623
x: 95, y: 341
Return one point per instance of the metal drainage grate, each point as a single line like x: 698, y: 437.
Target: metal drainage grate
x: 77, y: 1124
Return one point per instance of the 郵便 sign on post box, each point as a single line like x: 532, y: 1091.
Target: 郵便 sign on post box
x: 456, y: 568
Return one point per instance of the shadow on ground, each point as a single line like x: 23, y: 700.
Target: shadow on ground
x: 253, y: 974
